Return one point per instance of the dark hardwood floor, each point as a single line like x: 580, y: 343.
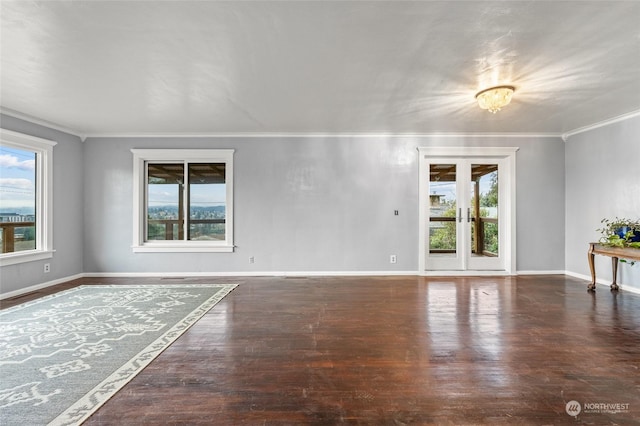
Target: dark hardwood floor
x: 392, y: 350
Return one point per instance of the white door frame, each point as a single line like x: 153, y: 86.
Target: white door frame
x: 428, y: 154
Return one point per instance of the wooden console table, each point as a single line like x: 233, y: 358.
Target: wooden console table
x: 615, y: 253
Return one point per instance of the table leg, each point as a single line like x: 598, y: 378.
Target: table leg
x: 614, y: 271
x: 590, y: 255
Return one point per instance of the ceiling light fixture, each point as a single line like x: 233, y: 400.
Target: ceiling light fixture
x: 494, y: 98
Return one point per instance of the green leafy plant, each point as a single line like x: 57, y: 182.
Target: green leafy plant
x: 620, y: 233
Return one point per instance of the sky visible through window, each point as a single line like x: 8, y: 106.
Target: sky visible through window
x: 17, y: 181
x: 448, y: 189
x: 201, y: 195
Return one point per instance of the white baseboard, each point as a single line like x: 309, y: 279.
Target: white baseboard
x: 465, y: 274
x: 540, y: 272
x: 248, y: 274
x: 585, y: 277
x: 39, y: 286
x: 309, y: 274
x: 602, y: 282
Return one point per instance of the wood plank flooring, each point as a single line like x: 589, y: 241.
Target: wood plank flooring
x: 392, y: 351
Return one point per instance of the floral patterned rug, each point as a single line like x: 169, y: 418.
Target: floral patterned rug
x: 63, y: 356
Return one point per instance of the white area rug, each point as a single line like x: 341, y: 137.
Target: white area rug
x: 63, y: 356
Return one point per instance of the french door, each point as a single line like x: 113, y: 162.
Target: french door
x: 467, y: 210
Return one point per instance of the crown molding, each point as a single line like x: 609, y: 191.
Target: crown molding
x: 619, y: 118
x: 40, y: 122
x: 323, y: 135
x: 83, y: 136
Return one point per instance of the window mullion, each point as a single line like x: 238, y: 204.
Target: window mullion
x: 186, y: 203
x: 145, y: 202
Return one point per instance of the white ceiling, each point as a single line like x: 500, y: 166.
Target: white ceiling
x: 215, y: 67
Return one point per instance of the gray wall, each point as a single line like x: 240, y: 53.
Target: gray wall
x: 307, y: 204
x: 316, y: 204
x: 603, y: 181
x: 67, y: 211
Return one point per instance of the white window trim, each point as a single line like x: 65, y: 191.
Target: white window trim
x: 44, y: 190
x: 140, y: 157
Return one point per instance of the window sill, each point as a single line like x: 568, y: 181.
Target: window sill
x: 26, y: 256
x: 177, y: 248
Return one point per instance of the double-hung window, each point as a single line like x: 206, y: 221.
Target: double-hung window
x: 183, y: 200
x: 26, y: 232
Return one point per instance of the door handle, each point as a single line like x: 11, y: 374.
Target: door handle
x: 460, y: 215
x: 469, y: 215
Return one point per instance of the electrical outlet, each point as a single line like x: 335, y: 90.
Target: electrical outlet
x: 47, y: 268
x: 393, y: 258
x: 252, y: 259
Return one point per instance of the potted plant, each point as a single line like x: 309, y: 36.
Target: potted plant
x: 620, y: 233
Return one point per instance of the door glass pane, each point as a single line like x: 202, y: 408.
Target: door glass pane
x: 165, y: 186
x: 442, y: 210
x: 17, y: 200
x: 484, y: 210
x: 207, y: 201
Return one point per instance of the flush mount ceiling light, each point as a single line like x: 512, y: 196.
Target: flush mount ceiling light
x: 494, y: 98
